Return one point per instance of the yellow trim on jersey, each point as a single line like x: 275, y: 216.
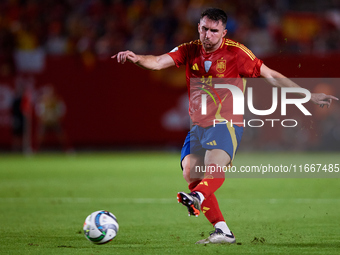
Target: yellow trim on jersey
x: 233, y: 138
x: 223, y: 41
x: 229, y: 126
x: 242, y: 47
x: 198, y: 42
x: 244, y: 84
x: 218, y: 112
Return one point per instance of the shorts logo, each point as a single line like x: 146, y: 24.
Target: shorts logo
x: 221, y: 65
x: 212, y: 143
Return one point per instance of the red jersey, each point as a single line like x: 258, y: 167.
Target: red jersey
x: 230, y: 60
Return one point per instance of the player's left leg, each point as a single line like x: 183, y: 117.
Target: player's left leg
x: 221, y: 143
x: 214, y: 160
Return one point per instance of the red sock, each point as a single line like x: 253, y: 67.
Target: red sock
x: 211, y: 181
x: 211, y: 210
x: 209, y: 206
x: 193, y: 185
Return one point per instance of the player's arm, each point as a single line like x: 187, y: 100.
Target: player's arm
x: 278, y: 80
x: 149, y: 62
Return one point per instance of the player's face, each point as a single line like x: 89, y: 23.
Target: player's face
x: 211, y: 33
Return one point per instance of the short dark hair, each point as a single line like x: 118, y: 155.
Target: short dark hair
x: 215, y: 14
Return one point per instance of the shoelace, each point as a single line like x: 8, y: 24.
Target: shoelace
x: 220, y: 232
x: 217, y: 231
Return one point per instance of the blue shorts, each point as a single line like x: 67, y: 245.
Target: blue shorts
x: 223, y: 136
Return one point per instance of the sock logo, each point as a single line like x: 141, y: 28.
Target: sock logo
x: 204, y: 183
x: 208, y: 177
x: 205, y: 209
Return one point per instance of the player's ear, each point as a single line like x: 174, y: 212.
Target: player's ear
x: 225, y: 32
x: 198, y: 27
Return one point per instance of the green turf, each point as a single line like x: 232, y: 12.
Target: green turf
x: 45, y: 199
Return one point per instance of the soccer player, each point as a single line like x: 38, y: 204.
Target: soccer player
x: 212, y: 146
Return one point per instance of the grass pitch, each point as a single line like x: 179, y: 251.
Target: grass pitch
x: 46, y: 198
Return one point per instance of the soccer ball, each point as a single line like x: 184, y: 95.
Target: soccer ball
x: 100, y: 227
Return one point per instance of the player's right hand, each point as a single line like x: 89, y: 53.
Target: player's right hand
x: 127, y: 55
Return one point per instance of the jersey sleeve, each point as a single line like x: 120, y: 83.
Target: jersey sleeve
x: 248, y: 64
x: 179, y: 54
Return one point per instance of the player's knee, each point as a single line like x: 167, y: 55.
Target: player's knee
x: 218, y: 157
x: 191, y: 176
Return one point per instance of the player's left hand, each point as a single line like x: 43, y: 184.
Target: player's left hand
x: 322, y: 99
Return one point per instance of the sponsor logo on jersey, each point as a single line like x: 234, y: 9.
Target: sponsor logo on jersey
x: 207, y: 65
x: 195, y: 67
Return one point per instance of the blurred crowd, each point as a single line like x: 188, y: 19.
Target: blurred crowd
x: 99, y: 28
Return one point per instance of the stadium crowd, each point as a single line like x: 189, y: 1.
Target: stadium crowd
x: 97, y: 29
x: 101, y: 27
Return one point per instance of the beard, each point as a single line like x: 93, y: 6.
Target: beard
x: 207, y: 44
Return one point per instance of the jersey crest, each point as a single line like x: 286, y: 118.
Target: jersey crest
x: 221, y: 65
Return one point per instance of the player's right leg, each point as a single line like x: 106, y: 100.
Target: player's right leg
x: 221, y: 144
x: 192, y: 155
x: 192, y: 200
x: 189, y: 163
x: 209, y: 205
